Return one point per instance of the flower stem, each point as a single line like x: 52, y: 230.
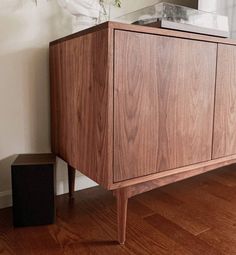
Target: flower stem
x: 117, y: 3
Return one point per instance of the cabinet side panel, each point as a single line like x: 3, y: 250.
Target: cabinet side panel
x: 163, y: 103
x: 225, y: 103
x: 81, y: 121
x: 53, y: 55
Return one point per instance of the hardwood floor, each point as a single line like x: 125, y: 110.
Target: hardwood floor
x: 195, y: 216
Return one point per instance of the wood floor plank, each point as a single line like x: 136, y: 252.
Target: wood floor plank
x: 32, y: 241
x: 215, y: 211
x: 226, y: 177
x: 94, y: 223
x: 205, y: 200
x: 193, y: 217
x: 219, y: 190
x: 175, y: 210
x: 139, y: 208
x: 139, y: 235
x: 157, y: 242
x: 5, y: 246
x: 192, y: 243
x: 222, y: 237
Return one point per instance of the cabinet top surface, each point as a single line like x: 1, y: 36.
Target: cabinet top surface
x: 34, y: 159
x: 146, y: 30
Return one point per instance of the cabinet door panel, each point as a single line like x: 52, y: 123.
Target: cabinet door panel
x: 225, y: 105
x: 163, y: 103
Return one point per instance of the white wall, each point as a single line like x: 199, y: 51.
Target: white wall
x: 25, y: 31
x: 227, y: 8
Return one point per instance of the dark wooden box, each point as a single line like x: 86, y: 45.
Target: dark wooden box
x: 33, y: 189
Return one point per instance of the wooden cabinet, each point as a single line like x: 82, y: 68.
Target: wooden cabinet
x: 225, y: 107
x: 80, y: 110
x: 135, y: 108
x: 163, y: 103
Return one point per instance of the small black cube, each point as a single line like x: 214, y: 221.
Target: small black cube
x: 33, y: 189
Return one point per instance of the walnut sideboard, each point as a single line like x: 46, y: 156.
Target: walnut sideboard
x: 135, y: 108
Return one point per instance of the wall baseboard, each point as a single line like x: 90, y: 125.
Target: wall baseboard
x: 81, y: 182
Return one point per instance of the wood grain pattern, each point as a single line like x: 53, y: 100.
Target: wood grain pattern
x: 122, y: 203
x: 166, y: 178
x: 163, y: 103
x: 148, y: 124
x: 183, y: 172
x: 173, y: 209
x: 185, y: 218
x: 147, y: 30
x: 81, y: 112
x: 225, y: 103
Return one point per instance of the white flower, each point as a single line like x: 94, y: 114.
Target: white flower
x: 88, y: 8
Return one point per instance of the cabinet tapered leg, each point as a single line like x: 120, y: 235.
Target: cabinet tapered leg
x: 71, y: 181
x: 122, y: 203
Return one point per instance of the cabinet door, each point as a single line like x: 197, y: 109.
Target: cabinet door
x: 163, y: 103
x: 224, y: 142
